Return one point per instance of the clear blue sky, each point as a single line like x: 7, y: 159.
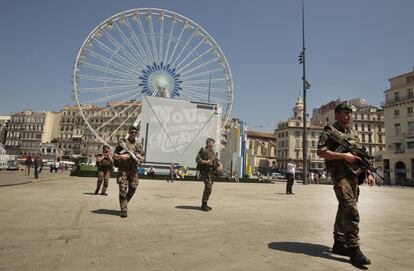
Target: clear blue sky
x: 353, y: 47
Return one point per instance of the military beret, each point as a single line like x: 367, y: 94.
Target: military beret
x: 210, y: 139
x: 133, y: 127
x: 343, y: 106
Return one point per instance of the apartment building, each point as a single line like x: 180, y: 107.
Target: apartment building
x: 3, y: 128
x: 263, y: 149
x: 28, y: 129
x: 367, y: 120
x: 398, y: 157
x: 289, y: 135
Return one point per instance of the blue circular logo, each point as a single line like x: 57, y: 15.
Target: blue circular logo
x: 160, y: 78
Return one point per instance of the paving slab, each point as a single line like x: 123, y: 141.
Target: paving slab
x: 59, y: 224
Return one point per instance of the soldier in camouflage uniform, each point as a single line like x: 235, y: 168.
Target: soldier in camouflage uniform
x: 345, y: 180
x: 127, y: 169
x: 206, y: 161
x: 104, y: 164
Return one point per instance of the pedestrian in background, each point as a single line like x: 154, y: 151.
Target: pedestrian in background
x: 28, y: 164
x: 104, y: 164
x: 172, y: 173
x: 290, y: 176
x: 37, y: 165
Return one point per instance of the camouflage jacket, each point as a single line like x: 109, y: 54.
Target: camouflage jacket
x: 205, y: 154
x: 104, y: 165
x: 337, y: 167
x: 136, y: 148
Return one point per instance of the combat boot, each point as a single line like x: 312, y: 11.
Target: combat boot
x: 96, y: 192
x: 204, y: 207
x: 340, y: 248
x: 123, y: 214
x: 209, y: 208
x: 357, y: 258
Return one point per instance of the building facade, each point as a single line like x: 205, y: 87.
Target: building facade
x: 367, y: 120
x: 237, y: 159
x: 398, y: 157
x: 289, y: 141
x: 48, y: 151
x: 28, y: 129
x: 111, y: 122
x: 262, y: 145
x: 71, y: 129
x: 3, y: 128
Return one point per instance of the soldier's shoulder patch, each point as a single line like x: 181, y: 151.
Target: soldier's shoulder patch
x: 323, y: 138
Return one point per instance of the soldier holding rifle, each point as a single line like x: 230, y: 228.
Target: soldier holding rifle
x: 104, y: 164
x: 128, y: 154
x: 209, y: 166
x: 345, y: 169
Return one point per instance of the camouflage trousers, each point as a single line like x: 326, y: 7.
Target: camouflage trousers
x: 103, y: 177
x: 128, y: 182
x: 208, y: 186
x: 346, y: 227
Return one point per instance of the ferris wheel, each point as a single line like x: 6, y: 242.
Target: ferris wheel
x: 146, y: 51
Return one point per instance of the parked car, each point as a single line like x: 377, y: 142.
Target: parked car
x: 12, y: 165
x: 278, y: 176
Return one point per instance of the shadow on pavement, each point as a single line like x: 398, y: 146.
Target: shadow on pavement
x: 186, y: 207
x: 306, y: 248
x: 106, y: 212
x: 89, y: 193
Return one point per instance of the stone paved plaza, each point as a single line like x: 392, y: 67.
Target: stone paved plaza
x: 58, y: 224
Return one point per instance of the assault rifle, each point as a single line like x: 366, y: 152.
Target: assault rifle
x: 131, y: 154
x: 365, y: 160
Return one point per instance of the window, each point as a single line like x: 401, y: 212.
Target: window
x: 397, y: 146
x: 410, y: 93
x: 411, y: 126
x: 369, y: 127
x: 397, y: 96
x: 356, y: 127
x: 410, y: 145
x: 363, y: 127
x: 397, y: 127
x: 369, y: 138
x: 396, y: 112
x: 379, y: 138
x: 409, y: 110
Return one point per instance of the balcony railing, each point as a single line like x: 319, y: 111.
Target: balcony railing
x: 397, y: 100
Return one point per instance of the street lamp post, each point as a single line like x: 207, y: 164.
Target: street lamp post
x: 306, y: 86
